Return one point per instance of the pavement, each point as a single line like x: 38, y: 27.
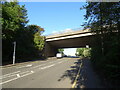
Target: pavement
x: 51, y: 73
x: 88, y: 78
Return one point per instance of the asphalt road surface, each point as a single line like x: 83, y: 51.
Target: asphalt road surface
x: 40, y: 74
x: 52, y: 73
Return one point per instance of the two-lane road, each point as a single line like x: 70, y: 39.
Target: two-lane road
x: 57, y: 73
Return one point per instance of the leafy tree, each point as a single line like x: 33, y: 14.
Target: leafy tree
x: 30, y: 43
x: 14, y: 18
x: 38, y: 40
x: 104, y: 21
x: 61, y: 50
x: 79, y: 51
x: 85, y: 52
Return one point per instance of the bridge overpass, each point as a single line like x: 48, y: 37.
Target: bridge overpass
x: 75, y: 39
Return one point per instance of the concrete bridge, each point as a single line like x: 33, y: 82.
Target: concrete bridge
x: 75, y: 39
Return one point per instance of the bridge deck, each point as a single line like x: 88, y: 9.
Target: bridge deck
x: 67, y: 34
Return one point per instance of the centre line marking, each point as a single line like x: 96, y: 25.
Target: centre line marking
x: 47, y: 66
x: 38, y: 65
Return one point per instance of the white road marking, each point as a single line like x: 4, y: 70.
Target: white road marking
x: 29, y: 65
x: 60, y: 62
x: 9, y: 80
x: 24, y: 72
x: 9, y: 74
x: 18, y: 76
x: 13, y: 75
x: 47, y: 66
x: 44, y: 64
x: 31, y: 72
x: 38, y: 65
x: 55, y: 61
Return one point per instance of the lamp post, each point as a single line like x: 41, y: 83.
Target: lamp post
x: 14, y: 52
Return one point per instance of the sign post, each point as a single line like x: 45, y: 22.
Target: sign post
x: 14, y: 52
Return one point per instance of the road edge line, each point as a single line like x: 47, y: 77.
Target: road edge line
x: 75, y: 81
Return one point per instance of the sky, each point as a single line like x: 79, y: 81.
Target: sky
x: 56, y: 16
x: 70, y: 51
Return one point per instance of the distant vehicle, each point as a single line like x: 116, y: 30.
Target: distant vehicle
x: 59, y: 55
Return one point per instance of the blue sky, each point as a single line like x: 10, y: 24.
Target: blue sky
x: 55, y: 16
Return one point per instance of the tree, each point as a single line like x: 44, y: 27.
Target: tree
x: 79, y: 51
x: 61, y: 50
x: 104, y: 21
x: 38, y: 40
x: 30, y: 43
x: 14, y: 18
x: 85, y: 52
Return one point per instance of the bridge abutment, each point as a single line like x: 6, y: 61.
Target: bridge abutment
x: 50, y: 51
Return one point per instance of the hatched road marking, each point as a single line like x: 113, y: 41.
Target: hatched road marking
x: 20, y: 74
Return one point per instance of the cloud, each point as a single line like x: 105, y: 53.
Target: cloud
x: 53, y: 32
x: 61, y: 31
x: 68, y: 30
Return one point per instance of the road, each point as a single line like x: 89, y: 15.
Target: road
x: 40, y: 74
x: 52, y: 73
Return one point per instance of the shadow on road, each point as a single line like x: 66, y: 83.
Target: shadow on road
x: 87, y: 77
x: 72, y: 72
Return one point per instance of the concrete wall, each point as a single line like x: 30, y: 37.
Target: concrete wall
x: 50, y: 51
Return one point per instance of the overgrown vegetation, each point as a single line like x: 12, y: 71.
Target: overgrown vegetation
x: 29, y: 42
x: 61, y: 50
x: 84, y: 52
x: 104, y: 21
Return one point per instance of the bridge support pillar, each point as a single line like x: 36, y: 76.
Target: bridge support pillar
x: 50, y: 51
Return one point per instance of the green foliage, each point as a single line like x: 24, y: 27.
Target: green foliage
x: 61, y: 50
x: 38, y: 40
x: 79, y: 51
x: 13, y: 18
x: 29, y: 42
x: 104, y: 21
x: 85, y: 52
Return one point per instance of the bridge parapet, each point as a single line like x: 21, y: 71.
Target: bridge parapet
x: 67, y: 33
